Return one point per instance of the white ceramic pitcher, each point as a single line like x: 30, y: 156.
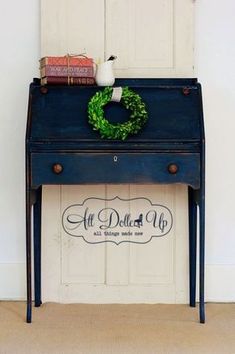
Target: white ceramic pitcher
x: 104, y: 75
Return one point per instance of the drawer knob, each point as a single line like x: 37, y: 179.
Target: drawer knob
x: 57, y: 168
x: 172, y: 168
x: 186, y: 91
x: 43, y: 89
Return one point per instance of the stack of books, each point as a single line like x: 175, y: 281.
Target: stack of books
x: 67, y: 70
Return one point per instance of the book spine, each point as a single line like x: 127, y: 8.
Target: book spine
x: 67, y: 61
x: 58, y: 80
x: 62, y: 70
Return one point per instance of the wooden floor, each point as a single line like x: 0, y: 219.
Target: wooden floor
x: 111, y: 329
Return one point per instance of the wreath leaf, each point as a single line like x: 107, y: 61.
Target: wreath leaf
x: 119, y: 131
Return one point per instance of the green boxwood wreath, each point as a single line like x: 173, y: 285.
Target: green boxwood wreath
x: 119, y: 131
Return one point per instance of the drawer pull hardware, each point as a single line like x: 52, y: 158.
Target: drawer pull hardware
x: 172, y: 168
x: 57, y: 168
x: 186, y: 91
x: 115, y: 158
x: 43, y: 90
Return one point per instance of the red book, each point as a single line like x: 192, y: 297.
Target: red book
x: 62, y: 70
x: 58, y: 80
x: 67, y: 61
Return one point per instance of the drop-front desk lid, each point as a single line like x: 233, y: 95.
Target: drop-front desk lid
x: 57, y: 116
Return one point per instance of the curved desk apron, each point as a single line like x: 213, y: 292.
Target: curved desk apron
x: 62, y: 148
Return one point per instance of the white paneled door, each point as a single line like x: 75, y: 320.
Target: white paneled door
x: 144, y: 262
x: 150, y: 38
x: 146, y: 256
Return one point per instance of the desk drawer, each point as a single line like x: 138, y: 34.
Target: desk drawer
x: 92, y: 168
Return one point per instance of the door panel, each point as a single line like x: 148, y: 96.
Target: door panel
x: 151, y: 38
x: 71, y: 26
x: 81, y: 263
x: 153, y: 263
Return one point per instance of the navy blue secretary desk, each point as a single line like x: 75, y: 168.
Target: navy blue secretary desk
x: 62, y: 148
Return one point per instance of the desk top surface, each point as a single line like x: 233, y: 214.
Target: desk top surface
x: 60, y: 114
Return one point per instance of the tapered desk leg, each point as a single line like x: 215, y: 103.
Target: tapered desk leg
x: 202, y: 256
x: 37, y: 247
x: 201, y: 203
x: 192, y: 210
x: 28, y: 256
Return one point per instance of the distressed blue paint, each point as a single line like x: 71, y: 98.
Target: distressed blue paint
x: 124, y: 167
x: 173, y: 116
x: 58, y: 132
